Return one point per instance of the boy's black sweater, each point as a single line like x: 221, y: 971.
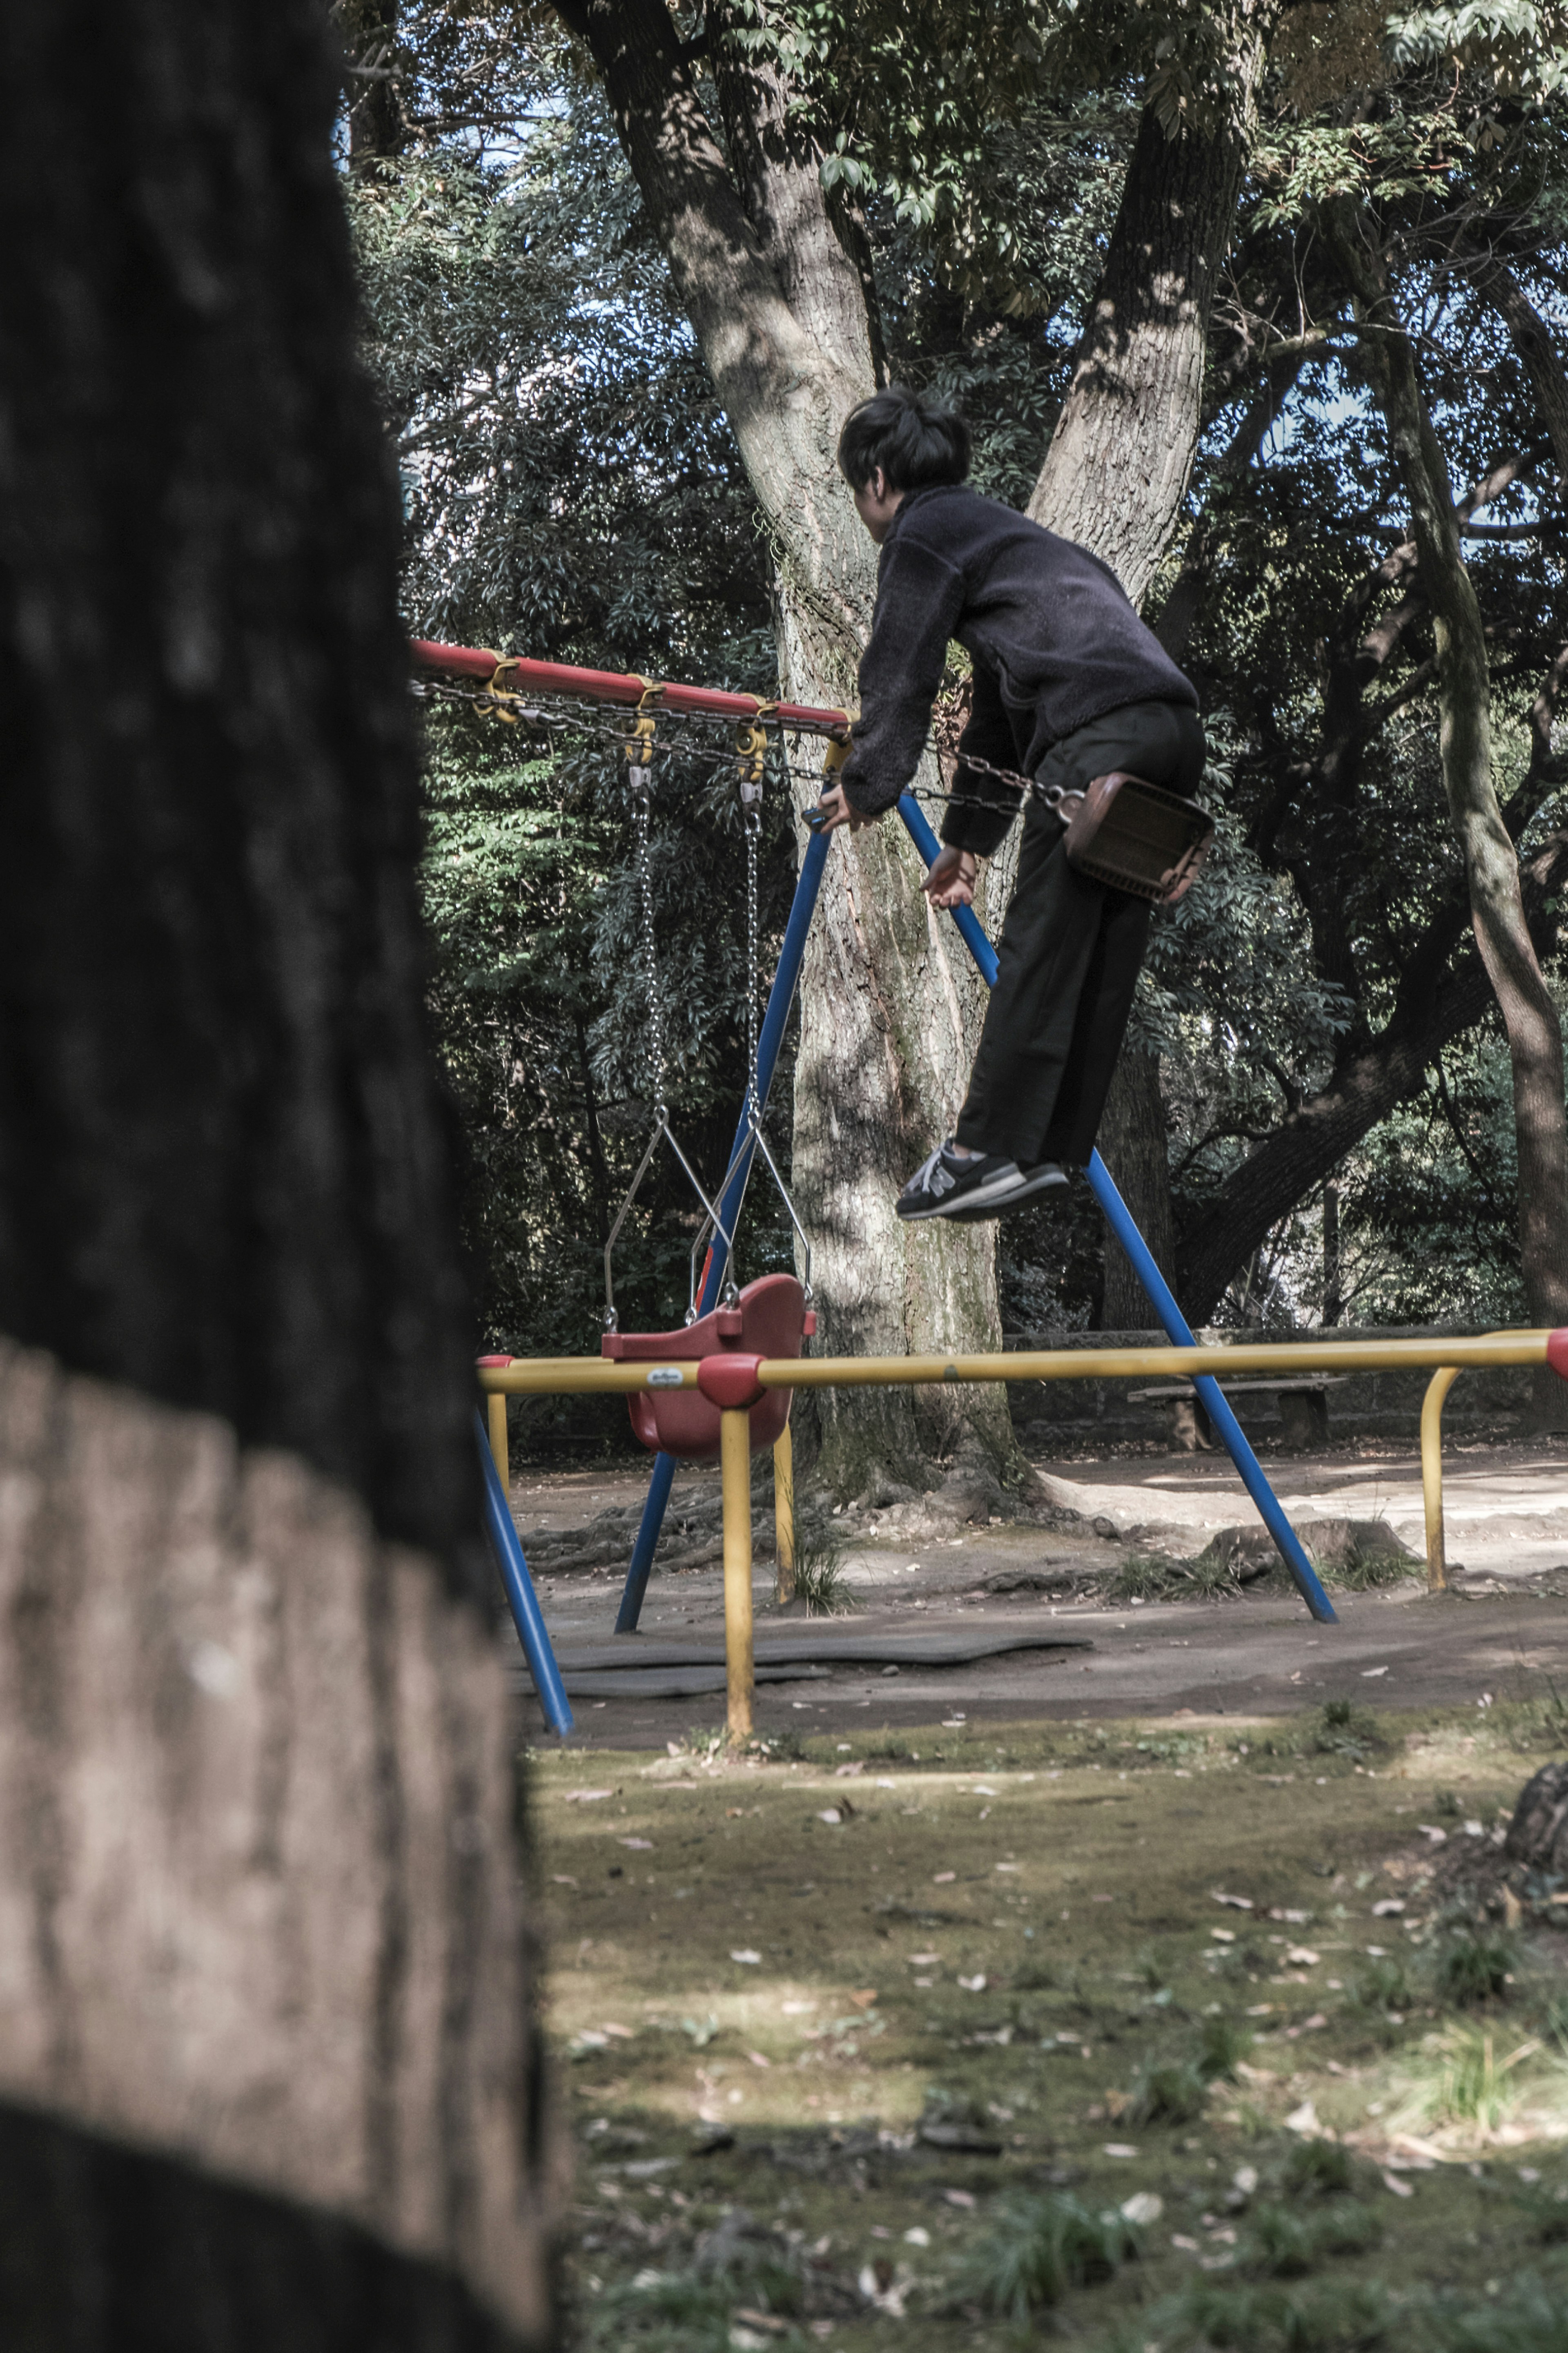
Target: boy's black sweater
x: 1053, y: 641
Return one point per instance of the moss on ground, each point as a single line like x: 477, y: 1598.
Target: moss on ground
x: 1156, y: 2025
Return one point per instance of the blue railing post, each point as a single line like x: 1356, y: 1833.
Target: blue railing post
x: 526, y: 1613
x: 1162, y: 1298
x: 792, y: 954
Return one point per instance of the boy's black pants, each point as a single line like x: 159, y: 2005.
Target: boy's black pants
x: 1069, y: 953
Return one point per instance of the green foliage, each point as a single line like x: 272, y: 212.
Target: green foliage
x: 1473, y: 1964
x: 572, y: 489
x: 1351, y: 2318
x: 820, y: 1585
x: 1036, y: 2248
x: 1283, y: 2244
x: 1319, y: 2168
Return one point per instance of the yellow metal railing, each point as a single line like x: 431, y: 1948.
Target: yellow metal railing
x: 595, y: 1376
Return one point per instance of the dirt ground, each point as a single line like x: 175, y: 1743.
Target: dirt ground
x: 1507, y: 1513
x: 1135, y: 1994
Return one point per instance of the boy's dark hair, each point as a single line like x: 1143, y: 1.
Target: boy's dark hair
x: 915, y: 443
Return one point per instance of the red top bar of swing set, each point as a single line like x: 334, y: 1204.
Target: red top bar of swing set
x: 613, y: 686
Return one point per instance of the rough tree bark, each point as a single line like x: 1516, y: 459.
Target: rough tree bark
x: 1115, y: 479
x: 770, y: 274
x: 1491, y: 865
x: 267, y: 2074
x: 1134, y: 1145
x: 1116, y: 473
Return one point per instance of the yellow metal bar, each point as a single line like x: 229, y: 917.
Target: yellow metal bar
x: 1118, y: 1364
x: 784, y: 1513
x: 582, y: 1376
x: 498, y: 1442
x: 1437, y: 1389
x: 587, y: 1376
x: 735, y: 1480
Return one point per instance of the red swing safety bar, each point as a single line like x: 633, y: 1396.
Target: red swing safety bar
x: 509, y: 674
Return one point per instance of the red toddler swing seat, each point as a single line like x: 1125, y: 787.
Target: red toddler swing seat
x: 770, y: 1318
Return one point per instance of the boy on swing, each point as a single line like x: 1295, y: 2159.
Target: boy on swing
x: 1069, y: 684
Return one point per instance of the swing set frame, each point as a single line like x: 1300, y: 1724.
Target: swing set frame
x: 734, y: 1383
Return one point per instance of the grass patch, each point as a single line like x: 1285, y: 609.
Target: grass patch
x: 1036, y: 2248
x: 1175, y: 2090
x: 1474, y: 1965
x: 1345, y: 1730
x: 1463, y: 2077
x: 820, y: 1585
x: 1284, y: 2244
x: 1319, y: 2169
x: 1339, y: 2318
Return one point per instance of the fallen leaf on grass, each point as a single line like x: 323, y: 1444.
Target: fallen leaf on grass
x: 924, y: 1960
x: 959, y: 2197
x: 769, y: 2321
x: 748, y: 1960
x: 586, y: 1797
x: 1118, y: 2149
x: 1369, y: 1673
x: 1388, y: 1907
x: 1222, y: 1935
x: 562, y: 1879
x: 757, y: 2059
x: 642, y: 1846
x: 972, y: 1985
x: 1302, y: 1957
x: 942, y: 1878
x: 831, y: 1815
x: 1236, y: 1902
x: 864, y: 1999
x: 1143, y: 2206
x: 1400, y: 2188
x: 1304, y: 2119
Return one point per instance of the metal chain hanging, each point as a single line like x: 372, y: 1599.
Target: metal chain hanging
x: 638, y: 749
x: 639, y: 779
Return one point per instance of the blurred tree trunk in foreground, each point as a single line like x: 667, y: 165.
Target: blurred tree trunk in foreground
x: 267, y: 2071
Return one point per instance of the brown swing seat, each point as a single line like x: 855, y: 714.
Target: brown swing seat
x: 770, y: 1318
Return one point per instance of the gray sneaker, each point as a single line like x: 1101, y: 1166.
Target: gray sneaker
x: 971, y: 1189
x: 1031, y: 1184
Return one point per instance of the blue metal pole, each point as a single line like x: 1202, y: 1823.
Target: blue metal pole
x: 792, y: 954
x: 526, y: 1613
x: 1177, y: 1330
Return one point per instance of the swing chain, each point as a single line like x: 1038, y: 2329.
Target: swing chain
x: 639, y: 779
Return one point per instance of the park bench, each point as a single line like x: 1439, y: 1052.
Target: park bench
x: 1303, y: 1409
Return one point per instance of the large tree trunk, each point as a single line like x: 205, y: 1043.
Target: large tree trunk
x: 1116, y: 473
x: 1115, y: 479
x: 1134, y: 1145
x: 267, y: 2074
x: 770, y: 279
x: 1491, y: 864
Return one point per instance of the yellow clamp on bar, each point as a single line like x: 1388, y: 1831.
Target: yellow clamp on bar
x: 638, y: 745
x: 500, y: 694
x: 751, y: 749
